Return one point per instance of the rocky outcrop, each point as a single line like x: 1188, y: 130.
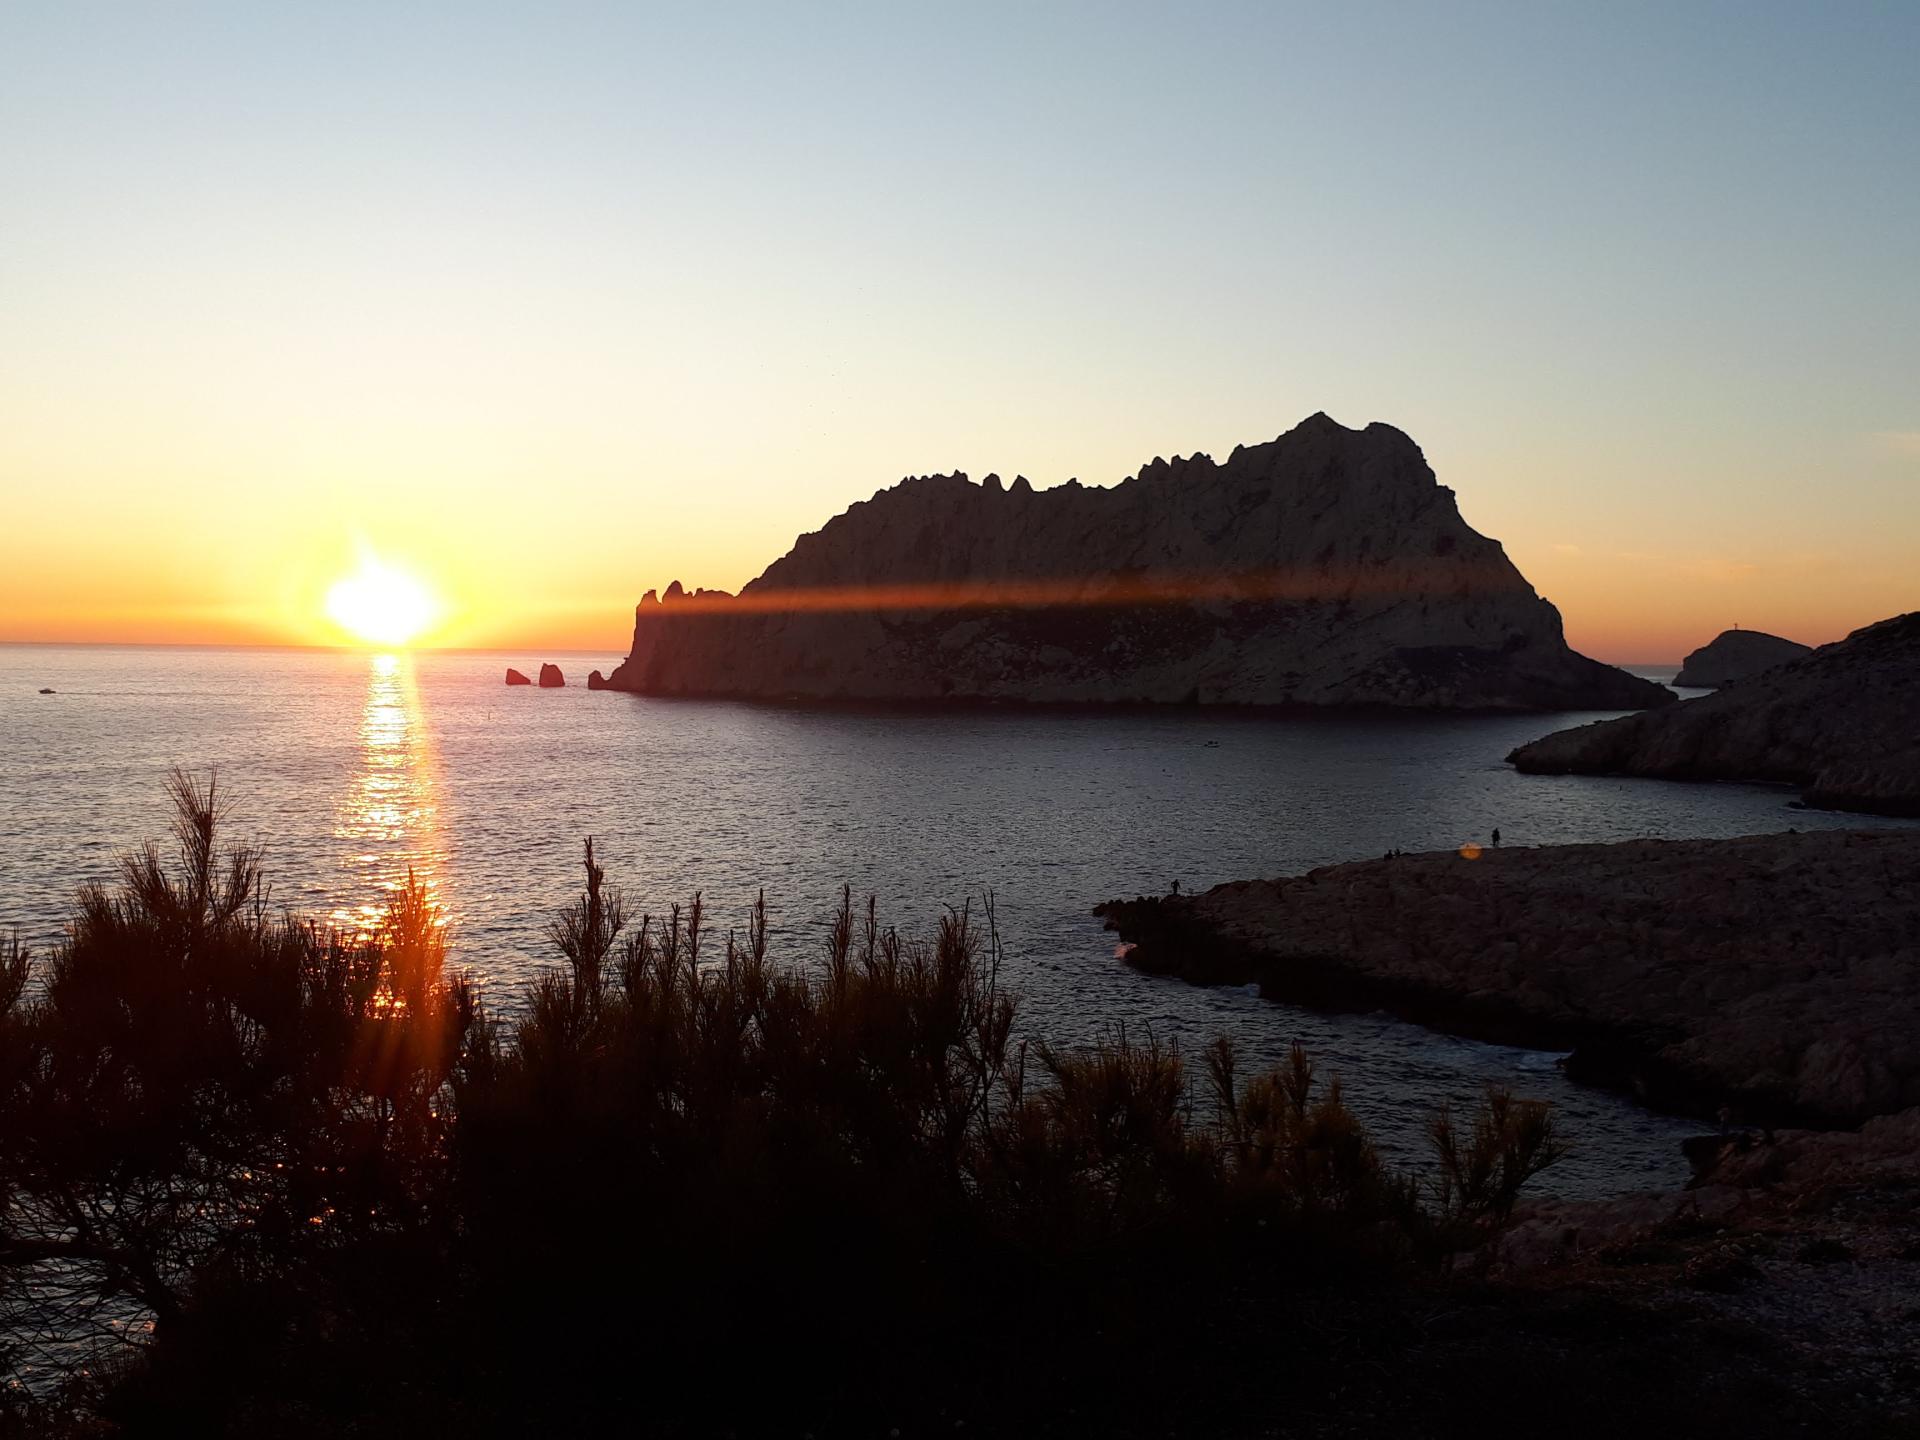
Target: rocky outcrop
x: 514, y: 677
x: 1843, y: 722
x: 551, y: 678
x: 1803, y: 1242
x: 1773, y: 973
x: 597, y: 681
x: 1326, y: 567
x: 1734, y: 655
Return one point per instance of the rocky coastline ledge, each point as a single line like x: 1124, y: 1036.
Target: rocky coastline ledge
x: 1325, y: 568
x: 1842, y: 722
x: 1774, y: 979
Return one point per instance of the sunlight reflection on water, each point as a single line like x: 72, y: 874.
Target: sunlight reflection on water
x: 388, y: 823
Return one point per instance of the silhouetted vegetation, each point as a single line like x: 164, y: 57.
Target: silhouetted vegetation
x: 260, y: 1174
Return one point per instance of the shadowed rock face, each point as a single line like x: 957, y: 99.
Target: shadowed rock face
x: 1773, y: 972
x: 1843, y: 721
x: 551, y: 678
x: 1734, y: 655
x: 514, y: 677
x: 1323, y: 568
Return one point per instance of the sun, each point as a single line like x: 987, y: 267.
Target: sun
x: 381, y: 605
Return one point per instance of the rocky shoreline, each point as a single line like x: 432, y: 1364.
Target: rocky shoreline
x: 1803, y: 1247
x: 1842, y: 722
x: 1772, y: 978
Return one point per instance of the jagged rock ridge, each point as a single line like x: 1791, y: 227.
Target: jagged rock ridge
x: 1326, y: 567
x: 1842, y: 721
x: 1734, y: 655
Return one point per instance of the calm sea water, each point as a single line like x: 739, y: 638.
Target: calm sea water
x: 350, y: 768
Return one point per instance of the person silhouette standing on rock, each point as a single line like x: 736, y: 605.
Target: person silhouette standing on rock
x: 1496, y: 837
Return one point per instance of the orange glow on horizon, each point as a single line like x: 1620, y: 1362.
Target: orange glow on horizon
x: 487, y: 591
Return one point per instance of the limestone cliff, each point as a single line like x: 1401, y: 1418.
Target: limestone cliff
x: 1842, y: 721
x: 1326, y: 567
x: 1734, y: 655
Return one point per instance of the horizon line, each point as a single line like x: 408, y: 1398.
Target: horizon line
x: 291, y: 645
x: 299, y: 645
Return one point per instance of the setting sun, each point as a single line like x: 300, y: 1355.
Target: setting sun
x: 380, y: 604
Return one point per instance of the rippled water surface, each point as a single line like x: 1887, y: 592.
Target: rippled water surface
x: 350, y: 769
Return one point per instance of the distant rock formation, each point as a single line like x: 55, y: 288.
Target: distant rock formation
x: 1842, y: 721
x: 514, y: 677
x: 1734, y: 655
x: 597, y: 681
x: 1772, y: 972
x: 1326, y: 567
x: 551, y: 678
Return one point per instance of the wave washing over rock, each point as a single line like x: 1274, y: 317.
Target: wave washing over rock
x: 1735, y: 655
x: 1324, y: 568
x: 1843, y: 721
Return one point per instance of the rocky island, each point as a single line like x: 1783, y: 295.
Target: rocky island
x: 1843, y: 722
x: 1772, y: 974
x: 1734, y: 655
x: 1327, y: 567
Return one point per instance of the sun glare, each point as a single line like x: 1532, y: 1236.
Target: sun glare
x: 381, y: 605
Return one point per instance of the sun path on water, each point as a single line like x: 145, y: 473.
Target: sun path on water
x: 380, y: 604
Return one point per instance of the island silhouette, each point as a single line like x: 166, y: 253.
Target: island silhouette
x: 1325, y: 568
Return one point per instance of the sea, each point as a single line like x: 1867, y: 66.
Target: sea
x: 351, y: 770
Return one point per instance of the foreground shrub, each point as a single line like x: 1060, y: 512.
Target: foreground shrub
x: 201, y: 1093
x: 305, y: 1181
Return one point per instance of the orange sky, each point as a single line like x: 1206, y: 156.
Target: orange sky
x: 524, y: 560
x: 530, y: 556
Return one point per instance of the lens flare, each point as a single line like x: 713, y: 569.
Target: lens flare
x: 381, y: 605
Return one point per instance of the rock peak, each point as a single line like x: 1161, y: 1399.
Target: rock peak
x: 1319, y: 420
x: 1735, y: 655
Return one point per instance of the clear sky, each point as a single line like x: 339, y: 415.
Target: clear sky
x: 549, y: 304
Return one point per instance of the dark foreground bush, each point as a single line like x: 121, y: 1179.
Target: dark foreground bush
x: 261, y: 1176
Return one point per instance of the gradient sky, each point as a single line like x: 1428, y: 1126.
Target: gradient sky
x: 552, y: 304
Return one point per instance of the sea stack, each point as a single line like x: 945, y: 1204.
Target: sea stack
x: 1734, y: 655
x: 551, y: 678
x: 596, y: 681
x: 1325, y: 568
x: 1840, y: 722
x: 514, y: 677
